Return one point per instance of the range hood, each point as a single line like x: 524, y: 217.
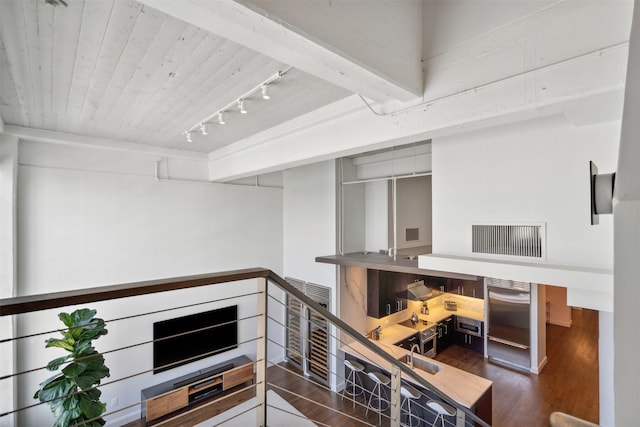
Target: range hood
x: 417, y: 291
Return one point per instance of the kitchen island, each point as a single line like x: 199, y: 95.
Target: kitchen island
x: 468, y: 390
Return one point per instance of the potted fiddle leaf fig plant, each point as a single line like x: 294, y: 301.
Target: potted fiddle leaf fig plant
x: 71, y: 393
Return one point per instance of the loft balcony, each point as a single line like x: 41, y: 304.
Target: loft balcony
x: 253, y: 345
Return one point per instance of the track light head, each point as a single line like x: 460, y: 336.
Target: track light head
x: 203, y: 129
x: 265, y: 91
x: 221, y: 118
x: 241, y: 106
x: 189, y: 137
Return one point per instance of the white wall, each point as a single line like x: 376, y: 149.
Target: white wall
x: 310, y: 222
x: 607, y: 368
x: 310, y: 230
x: 414, y: 210
x: 91, y: 217
x: 377, y: 216
x: 626, y: 213
x: 79, y: 228
x: 536, y: 171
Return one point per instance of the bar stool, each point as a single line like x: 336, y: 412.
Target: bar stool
x: 441, y: 409
x: 408, y: 394
x: 353, y: 384
x: 376, y: 394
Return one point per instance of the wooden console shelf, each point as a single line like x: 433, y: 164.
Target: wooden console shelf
x: 175, y: 395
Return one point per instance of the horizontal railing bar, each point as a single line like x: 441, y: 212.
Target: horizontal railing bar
x: 118, y: 319
x: 29, y: 303
x: 138, y: 344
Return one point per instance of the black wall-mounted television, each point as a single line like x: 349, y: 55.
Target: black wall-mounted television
x: 190, y: 346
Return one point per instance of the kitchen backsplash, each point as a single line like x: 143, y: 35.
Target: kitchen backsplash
x: 464, y: 303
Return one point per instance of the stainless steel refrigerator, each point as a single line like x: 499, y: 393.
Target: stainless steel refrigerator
x: 509, y: 318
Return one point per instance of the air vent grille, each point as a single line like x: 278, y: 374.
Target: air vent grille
x: 510, y: 240
x: 318, y: 293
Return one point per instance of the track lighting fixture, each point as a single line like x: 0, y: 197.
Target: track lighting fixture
x: 240, y: 101
x: 265, y: 91
x: 241, y: 106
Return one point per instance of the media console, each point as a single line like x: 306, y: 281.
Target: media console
x: 191, y: 389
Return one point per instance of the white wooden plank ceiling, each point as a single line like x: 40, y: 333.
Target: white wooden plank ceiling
x: 120, y: 70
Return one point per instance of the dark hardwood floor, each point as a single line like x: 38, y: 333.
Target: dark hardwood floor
x: 568, y: 383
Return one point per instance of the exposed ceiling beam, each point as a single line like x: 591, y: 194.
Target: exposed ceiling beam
x: 62, y: 138
x: 266, y: 34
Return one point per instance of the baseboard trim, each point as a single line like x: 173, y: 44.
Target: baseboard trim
x: 540, y: 366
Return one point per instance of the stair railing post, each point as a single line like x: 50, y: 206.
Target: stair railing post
x: 396, y: 382
x: 460, y: 418
x: 261, y: 354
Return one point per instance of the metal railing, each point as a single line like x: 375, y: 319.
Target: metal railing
x: 278, y: 390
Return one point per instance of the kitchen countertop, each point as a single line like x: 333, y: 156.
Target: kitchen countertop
x: 463, y: 387
x: 402, y: 264
x: 395, y: 333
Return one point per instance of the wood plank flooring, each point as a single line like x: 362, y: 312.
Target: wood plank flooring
x: 568, y: 383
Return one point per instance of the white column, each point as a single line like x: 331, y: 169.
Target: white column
x: 606, y: 368
x: 626, y: 226
x: 261, y: 355
x: 8, y: 282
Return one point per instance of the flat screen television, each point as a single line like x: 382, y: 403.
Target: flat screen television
x: 184, y: 346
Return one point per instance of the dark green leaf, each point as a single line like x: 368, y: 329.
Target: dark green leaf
x: 54, y: 388
x: 71, y: 402
x: 84, y: 349
x: 55, y: 363
x: 66, y: 319
x: 74, y: 369
x: 86, y: 380
x: 83, y: 316
x: 91, y: 408
x: 93, y: 394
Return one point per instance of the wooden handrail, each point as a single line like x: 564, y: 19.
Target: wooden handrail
x: 30, y: 303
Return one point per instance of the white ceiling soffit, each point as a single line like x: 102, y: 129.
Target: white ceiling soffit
x: 339, y: 42
x: 120, y: 71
